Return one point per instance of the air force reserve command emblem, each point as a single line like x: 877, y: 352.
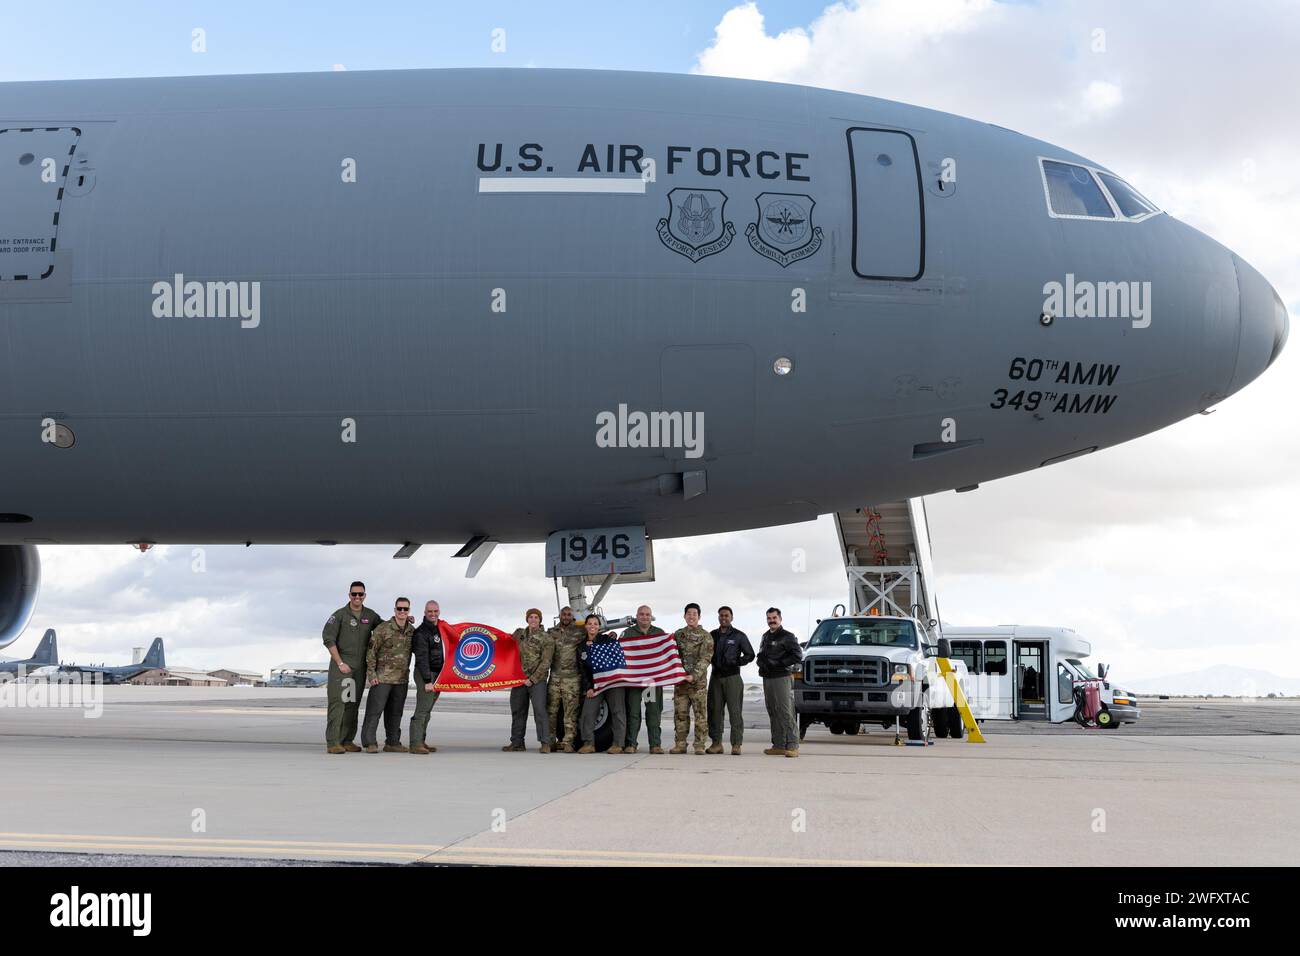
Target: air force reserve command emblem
x: 695, y: 227
x: 784, y: 231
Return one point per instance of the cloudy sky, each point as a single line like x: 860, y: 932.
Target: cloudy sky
x: 1172, y: 553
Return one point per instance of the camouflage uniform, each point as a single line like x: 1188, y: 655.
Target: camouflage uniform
x: 350, y: 633
x: 563, y: 687
x: 536, y: 650
x: 695, y: 645
x: 387, y: 660
x: 653, y: 698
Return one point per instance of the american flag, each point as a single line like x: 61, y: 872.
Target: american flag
x: 637, y: 661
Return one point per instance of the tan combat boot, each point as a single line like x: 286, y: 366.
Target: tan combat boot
x: 513, y: 748
x: 792, y: 753
x: 774, y: 752
x: 614, y: 750
x: 735, y: 750
x: 372, y: 748
x: 567, y: 748
x: 714, y: 748
x: 420, y: 749
x: 701, y: 749
x: 656, y: 749
x: 630, y: 750
x: 545, y: 748
x: 587, y: 749
x: 396, y: 749
x: 336, y: 749
x: 351, y: 748
x: 679, y: 747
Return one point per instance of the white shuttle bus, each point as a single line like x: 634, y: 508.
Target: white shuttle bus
x: 1028, y: 673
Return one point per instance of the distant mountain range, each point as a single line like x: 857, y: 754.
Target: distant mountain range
x: 1224, y: 681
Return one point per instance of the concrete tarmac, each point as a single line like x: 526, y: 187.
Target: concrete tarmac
x: 234, y: 775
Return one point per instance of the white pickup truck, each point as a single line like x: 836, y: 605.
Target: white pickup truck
x: 876, y: 669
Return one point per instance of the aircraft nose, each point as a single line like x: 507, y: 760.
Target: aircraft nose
x: 1264, y: 324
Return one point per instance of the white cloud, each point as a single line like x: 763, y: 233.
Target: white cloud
x: 1175, y: 550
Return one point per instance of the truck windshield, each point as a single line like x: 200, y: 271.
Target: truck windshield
x: 864, y: 632
x: 1081, y: 667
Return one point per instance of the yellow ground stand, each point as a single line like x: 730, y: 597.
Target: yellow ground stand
x: 973, y: 734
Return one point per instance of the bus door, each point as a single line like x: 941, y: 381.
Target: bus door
x: 1031, y: 680
x: 987, y: 663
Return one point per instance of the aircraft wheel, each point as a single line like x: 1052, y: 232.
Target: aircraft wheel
x: 804, y: 724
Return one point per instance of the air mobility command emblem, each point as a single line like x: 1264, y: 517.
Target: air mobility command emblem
x: 695, y: 226
x: 784, y: 231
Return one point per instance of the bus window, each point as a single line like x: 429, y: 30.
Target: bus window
x: 1064, y: 684
x: 970, y: 652
x: 995, y: 657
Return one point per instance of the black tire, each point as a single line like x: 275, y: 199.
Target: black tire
x: 804, y: 723
x: 955, y: 727
x: 853, y: 728
x: 941, y: 722
x: 604, y: 730
x: 837, y: 728
x: 918, y: 722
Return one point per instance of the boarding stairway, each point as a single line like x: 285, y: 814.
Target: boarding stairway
x: 887, y: 560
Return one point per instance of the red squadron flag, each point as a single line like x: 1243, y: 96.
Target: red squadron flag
x: 477, y: 657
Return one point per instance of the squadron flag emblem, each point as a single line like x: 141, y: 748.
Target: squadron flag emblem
x: 695, y: 227
x: 784, y: 231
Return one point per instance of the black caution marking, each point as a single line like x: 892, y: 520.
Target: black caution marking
x: 58, y: 198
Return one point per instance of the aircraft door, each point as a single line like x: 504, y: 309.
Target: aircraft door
x: 34, y: 167
x: 888, y: 205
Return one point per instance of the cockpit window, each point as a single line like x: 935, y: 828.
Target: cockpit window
x: 1071, y: 191
x: 1131, y: 203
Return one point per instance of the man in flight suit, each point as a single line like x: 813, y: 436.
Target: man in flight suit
x: 653, y: 696
x: 346, y: 635
x: 731, y: 652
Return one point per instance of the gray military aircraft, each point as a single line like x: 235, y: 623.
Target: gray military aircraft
x: 472, y: 305
x: 122, y: 673
x: 43, y: 663
x: 292, y: 678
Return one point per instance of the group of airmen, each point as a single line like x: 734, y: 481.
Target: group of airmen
x: 368, y: 653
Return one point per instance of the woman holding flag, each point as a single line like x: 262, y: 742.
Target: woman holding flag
x: 601, y: 652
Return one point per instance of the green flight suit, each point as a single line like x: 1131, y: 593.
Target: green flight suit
x: 350, y: 633
x: 653, y: 698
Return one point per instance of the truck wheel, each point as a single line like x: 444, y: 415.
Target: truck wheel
x: 918, y: 723
x: 941, y: 722
x: 955, y: 727
x: 804, y: 724
x: 836, y: 727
